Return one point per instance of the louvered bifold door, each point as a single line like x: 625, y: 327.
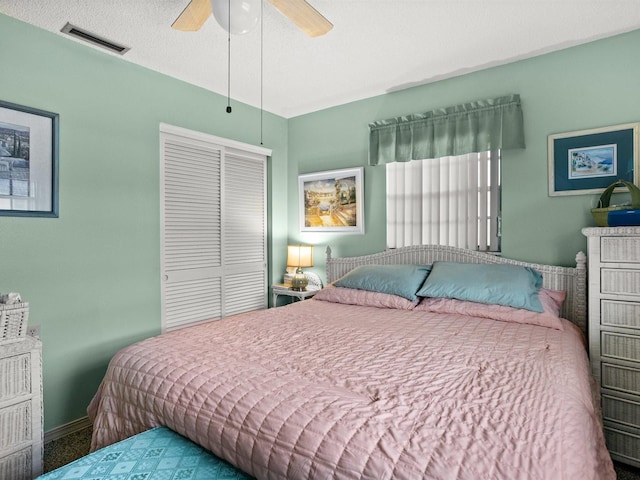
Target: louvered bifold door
x: 191, y: 231
x: 244, y: 232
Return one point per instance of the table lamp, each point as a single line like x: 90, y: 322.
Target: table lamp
x: 299, y: 256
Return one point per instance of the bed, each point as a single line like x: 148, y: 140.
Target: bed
x: 359, y: 383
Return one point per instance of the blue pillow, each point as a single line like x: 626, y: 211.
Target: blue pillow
x: 401, y: 280
x: 508, y: 285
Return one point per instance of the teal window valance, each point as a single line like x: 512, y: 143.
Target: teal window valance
x: 478, y: 126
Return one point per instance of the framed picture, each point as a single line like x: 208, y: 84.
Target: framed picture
x: 588, y: 161
x: 28, y: 161
x: 332, y: 201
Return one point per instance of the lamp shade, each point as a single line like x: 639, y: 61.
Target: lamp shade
x: 244, y: 14
x: 300, y: 256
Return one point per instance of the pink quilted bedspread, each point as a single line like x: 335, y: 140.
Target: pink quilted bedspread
x: 318, y: 390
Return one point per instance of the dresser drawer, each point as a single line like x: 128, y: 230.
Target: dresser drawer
x: 15, y: 373
x: 15, y: 425
x: 620, y: 281
x: 620, y: 249
x: 619, y: 345
x: 620, y: 314
x: 616, y: 377
x: 17, y: 466
x: 621, y: 410
x: 622, y: 443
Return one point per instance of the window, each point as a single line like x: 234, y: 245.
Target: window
x: 451, y: 201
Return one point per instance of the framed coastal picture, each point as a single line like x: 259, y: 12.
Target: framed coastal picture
x: 588, y: 161
x: 28, y: 161
x: 332, y: 202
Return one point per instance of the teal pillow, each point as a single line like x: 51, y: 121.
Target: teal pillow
x: 508, y: 285
x: 402, y: 280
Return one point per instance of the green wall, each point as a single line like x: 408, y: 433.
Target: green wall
x: 92, y: 276
x: 589, y: 86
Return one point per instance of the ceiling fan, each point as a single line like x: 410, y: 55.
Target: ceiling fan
x: 303, y: 15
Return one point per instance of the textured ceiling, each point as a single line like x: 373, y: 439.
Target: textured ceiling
x: 376, y: 46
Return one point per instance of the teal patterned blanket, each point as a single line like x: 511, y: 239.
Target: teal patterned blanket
x: 157, y: 454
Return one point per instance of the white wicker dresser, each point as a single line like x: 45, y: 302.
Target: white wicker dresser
x: 21, y: 436
x: 614, y: 334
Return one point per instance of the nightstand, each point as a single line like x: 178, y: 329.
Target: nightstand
x: 285, y: 289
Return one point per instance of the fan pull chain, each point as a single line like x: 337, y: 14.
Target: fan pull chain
x: 261, y: 68
x: 229, y: 58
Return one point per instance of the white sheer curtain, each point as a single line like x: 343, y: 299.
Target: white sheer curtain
x: 451, y: 201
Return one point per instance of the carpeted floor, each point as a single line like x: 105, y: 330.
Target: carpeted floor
x: 626, y: 472
x: 66, y: 449
x: 73, y: 446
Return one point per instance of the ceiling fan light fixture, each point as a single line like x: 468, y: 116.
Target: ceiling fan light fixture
x: 243, y: 17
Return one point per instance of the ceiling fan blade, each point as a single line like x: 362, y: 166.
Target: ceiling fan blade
x: 193, y: 16
x: 307, y: 18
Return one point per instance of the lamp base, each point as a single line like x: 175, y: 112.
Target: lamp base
x: 299, y: 281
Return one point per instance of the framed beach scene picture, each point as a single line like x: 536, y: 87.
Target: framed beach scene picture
x: 588, y: 161
x: 331, y: 201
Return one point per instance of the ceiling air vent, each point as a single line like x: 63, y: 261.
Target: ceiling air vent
x: 94, y: 39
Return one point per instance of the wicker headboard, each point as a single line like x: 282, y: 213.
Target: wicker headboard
x: 571, y: 279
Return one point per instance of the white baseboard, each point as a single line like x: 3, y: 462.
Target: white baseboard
x: 66, y: 429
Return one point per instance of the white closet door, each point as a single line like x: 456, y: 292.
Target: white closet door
x: 213, y: 228
x: 244, y: 232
